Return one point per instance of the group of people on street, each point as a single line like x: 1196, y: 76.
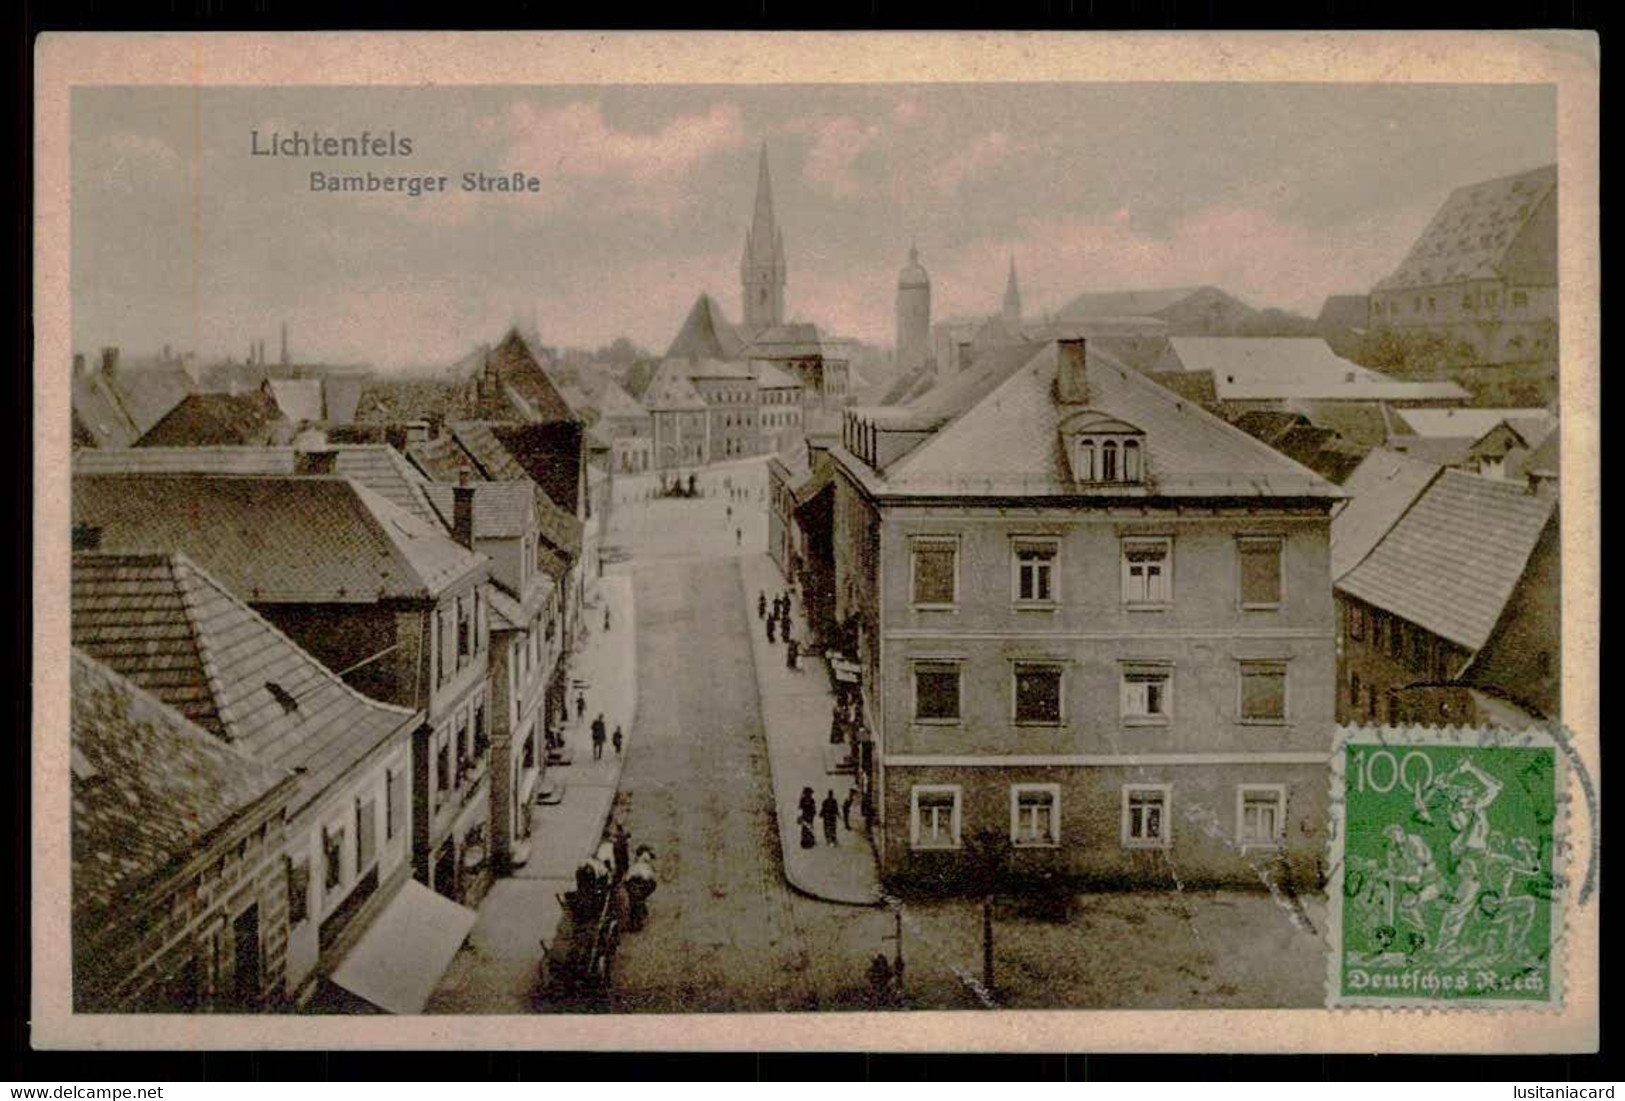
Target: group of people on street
x: 780, y: 625
x: 831, y: 811
x: 599, y: 736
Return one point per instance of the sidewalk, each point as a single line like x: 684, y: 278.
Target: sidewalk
x: 796, y: 709
x: 496, y: 970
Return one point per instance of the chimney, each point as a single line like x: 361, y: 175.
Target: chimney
x: 462, y: 511
x: 1072, y: 372
x: 313, y: 454
x: 110, y: 361
x: 78, y: 364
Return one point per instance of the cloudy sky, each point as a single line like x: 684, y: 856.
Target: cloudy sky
x: 1281, y: 194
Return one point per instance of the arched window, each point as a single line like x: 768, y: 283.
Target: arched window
x: 1131, y: 460
x: 1086, y: 461
x: 1108, y: 461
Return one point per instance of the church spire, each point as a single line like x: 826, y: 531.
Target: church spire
x: 762, y: 268
x: 1012, y: 296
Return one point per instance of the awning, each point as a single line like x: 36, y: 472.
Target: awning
x: 403, y: 954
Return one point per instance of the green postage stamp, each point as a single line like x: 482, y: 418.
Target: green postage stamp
x: 1447, y: 874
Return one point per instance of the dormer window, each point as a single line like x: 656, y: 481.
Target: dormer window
x: 1104, y: 450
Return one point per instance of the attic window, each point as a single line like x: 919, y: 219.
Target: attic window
x: 282, y: 696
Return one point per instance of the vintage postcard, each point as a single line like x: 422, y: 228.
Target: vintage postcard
x: 907, y: 542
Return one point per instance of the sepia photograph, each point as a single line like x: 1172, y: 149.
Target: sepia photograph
x: 602, y: 550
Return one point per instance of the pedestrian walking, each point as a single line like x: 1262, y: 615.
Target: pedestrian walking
x: 846, y: 806
x: 761, y: 604
x: 730, y: 512
x: 830, y: 812
x: 617, y: 739
x: 606, y: 618
x: 623, y: 850
x: 581, y: 708
x: 739, y: 537
x: 770, y: 626
x: 808, y: 805
x: 598, y: 738
x: 790, y: 654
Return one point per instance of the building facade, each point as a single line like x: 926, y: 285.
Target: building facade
x: 1097, y: 669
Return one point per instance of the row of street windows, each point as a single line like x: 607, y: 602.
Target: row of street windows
x: 936, y: 815
x: 1147, y: 572
x: 1037, y: 692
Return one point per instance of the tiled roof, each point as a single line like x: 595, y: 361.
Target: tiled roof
x: 1472, y: 232
x: 340, y: 397
x: 793, y: 340
x: 150, y: 792
x: 495, y: 462
x: 1380, y: 490
x: 1464, y: 424
x: 1006, y: 440
x: 300, y: 399
x: 441, y: 459
x: 379, y: 467
x: 706, y: 334
x: 1364, y: 423
x: 1545, y: 461
x: 908, y: 384
x: 1196, y: 386
x: 671, y: 389
x: 176, y: 632
x: 1263, y: 365
x: 519, y: 366
x: 118, y: 409
x: 551, y: 455
x: 394, y: 401
x: 277, y: 539
x: 1451, y: 562
x: 214, y: 420
x: 502, y: 510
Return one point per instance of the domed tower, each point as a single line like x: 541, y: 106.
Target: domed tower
x: 913, y: 314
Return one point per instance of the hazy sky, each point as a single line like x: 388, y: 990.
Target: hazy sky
x: 1281, y: 194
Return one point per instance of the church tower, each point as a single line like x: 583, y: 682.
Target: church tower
x: 761, y: 269
x: 913, y: 314
x: 1011, y: 313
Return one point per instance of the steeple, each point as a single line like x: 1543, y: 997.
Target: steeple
x: 762, y: 267
x: 1012, y: 297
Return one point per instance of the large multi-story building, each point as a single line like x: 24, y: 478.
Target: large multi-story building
x: 1095, y: 626
x: 1483, y: 273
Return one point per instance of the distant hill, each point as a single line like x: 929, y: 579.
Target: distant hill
x: 1189, y: 311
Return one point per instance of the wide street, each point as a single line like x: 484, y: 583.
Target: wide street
x: 725, y: 931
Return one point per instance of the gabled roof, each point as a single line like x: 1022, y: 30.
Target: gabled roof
x: 1465, y: 424
x: 300, y: 399
x: 706, y: 334
x: 119, y: 408
x: 671, y: 389
x: 441, y: 459
x: 394, y: 401
x: 769, y: 377
x: 1545, y: 461
x: 1362, y: 423
x: 792, y: 340
x: 1451, y: 562
x: 1267, y: 363
x: 1002, y: 438
x: 495, y: 462
x: 379, y: 467
x: 215, y: 420
x: 304, y: 539
x: 519, y: 366
x: 1470, y: 236
x: 175, y: 631
x: 1380, y: 489
x: 151, y: 791
x: 341, y: 396
x: 614, y: 401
